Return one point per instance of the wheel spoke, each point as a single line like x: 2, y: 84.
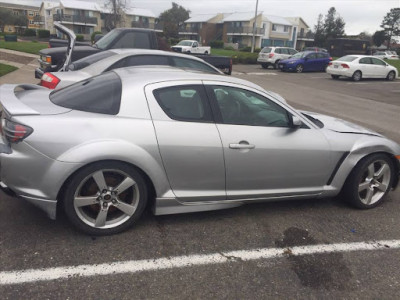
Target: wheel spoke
x: 381, y: 186
x: 101, y: 217
x: 371, y: 171
x: 363, y: 186
x: 85, y: 201
x: 382, y: 171
x: 368, y: 198
x: 125, y: 184
x: 125, y: 208
x: 100, y: 181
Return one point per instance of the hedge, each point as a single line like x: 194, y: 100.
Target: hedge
x: 94, y: 34
x: 43, y: 33
x: 245, y: 58
x: 217, y: 44
x: 30, y: 32
x: 79, y: 37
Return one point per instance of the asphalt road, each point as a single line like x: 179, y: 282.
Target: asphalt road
x: 29, y: 240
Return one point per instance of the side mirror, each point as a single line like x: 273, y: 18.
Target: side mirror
x: 296, y: 122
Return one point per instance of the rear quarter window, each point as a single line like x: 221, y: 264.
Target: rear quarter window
x: 100, y: 94
x: 91, y: 59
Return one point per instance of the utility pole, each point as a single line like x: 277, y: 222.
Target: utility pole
x: 254, y: 29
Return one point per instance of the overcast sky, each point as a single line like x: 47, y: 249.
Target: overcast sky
x: 359, y: 15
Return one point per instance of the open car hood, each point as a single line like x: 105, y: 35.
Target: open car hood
x: 71, y: 43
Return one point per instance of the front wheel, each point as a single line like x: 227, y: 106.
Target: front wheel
x: 391, y: 76
x: 370, y: 181
x: 206, y: 53
x: 357, y: 76
x: 105, y: 198
x: 299, y: 68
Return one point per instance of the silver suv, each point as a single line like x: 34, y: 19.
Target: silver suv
x: 270, y: 56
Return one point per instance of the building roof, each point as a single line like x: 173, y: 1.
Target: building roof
x: 134, y: 11
x: 276, y: 20
x: 19, y: 5
x: 200, y: 18
x: 240, y: 16
x: 83, y: 5
x: 296, y: 21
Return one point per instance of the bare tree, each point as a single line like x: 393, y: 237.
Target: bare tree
x: 115, y: 16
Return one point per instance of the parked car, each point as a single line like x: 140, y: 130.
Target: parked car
x: 361, y: 66
x: 118, y: 58
x: 386, y: 55
x: 191, y: 46
x: 182, y: 142
x: 306, y: 61
x: 271, y: 56
x: 315, y: 49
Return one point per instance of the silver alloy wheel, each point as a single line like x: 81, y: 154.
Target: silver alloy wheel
x: 374, y: 182
x: 106, y: 198
x: 299, y: 68
x: 390, y: 76
x: 357, y: 76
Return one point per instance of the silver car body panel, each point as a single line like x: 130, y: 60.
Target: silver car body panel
x: 190, y: 165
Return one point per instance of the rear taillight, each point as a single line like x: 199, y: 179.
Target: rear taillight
x: 14, y: 132
x: 330, y: 64
x: 49, y: 80
x: 330, y: 58
x: 345, y: 66
x: 271, y: 55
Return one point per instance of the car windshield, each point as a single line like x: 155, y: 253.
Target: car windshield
x: 266, y: 50
x: 91, y: 59
x: 347, y: 58
x: 298, y: 55
x: 185, y: 43
x: 105, y: 40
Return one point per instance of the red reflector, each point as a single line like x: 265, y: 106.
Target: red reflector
x: 49, y: 80
x: 271, y: 55
x: 330, y: 64
x: 345, y: 66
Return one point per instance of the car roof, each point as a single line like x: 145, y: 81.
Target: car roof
x: 152, y: 52
x: 144, y: 75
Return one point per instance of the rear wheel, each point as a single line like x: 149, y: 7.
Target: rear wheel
x: 391, y: 76
x: 299, y: 68
x: 370, y: 181
x: 357, y: 76
x: 276, y: 64
x: 265, y: 66
x: 105, y: 198
x: 335, y: 76
x: 206, y: 53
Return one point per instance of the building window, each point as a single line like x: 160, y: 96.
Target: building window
x: 36, y: 13
x: 15, y: 13
x: 30, y: 13
x: 286, y: 28
x: 274, y: 27
x: 31, y: 22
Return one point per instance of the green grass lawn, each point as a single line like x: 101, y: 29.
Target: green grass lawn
x: 395, y: 63
x: 28, y: 47
x: 4, y: 69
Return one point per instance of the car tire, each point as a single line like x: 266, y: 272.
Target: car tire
x: 391, y: 76
x: 357, y: 76
x: 276, y: 64
x: 299, y: 68
x: 105, y: 198
x: 369, y: 181
x: 206, y: 53
x: 335, y: 76
x: 265, y: 66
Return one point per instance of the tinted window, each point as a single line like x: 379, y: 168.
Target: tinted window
x: 133, y: 40
x: 184, y: 103
x: 376, y: 61
x: 312, y: 56
x: 192, y: 64
x: 278, y: 50
x: 140, y: 60
x: 266, y: 50
x: 99, y: 94
x: 347, y: 58
x: 285, y: 51
x: 365, y: 60
x: 292, y: 51
x: 242, y: 107
x: 322, y: 55
x: 104, y: 42
x: 86, y: 61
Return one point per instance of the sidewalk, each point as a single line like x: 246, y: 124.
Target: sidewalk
x: 26, y: 64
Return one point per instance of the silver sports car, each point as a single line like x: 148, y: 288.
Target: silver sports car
x: 107, y: 147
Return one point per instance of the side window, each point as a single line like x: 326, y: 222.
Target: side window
x: 365, y: 61
x: 292, y: 51
x: 140, y: 60
x: 195, y: 44
x: 133, y: 40
x: 321, y: 55
x: 312, y: 56
x: 285, y: 51
x: 278, y: 50
x: 376, y: 61
x: 184, y: 103
x: 242, y: 107
x: 192, y: 64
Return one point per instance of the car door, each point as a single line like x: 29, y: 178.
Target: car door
x: 322, y: 61
x: 195, y: 48
x: 188, y: 140
x: 264, y: 156
x: 379, y: 68
x: 310, y: 62
x: 366, y: 67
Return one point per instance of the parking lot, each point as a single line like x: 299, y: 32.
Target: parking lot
x: 249, y: 252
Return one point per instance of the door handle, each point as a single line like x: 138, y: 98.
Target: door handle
x: 242, y: 145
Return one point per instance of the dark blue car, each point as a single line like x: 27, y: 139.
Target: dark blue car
x: 306, y: 61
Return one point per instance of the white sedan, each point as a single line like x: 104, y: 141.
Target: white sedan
x: 361, y: 66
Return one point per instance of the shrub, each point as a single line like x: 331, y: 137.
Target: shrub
x: 257, y: 50
x: 94, y: 34
x: 217, y: 44
x: 229, y: 48
x: 245, y: 49
x: 79, y: 37
x: 30, y: 32
x: 245, y: 58
x: 43, y: 33
x: 173, y: 41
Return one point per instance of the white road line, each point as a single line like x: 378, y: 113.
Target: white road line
x: 136, y: 266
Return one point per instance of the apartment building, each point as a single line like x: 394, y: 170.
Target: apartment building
x: 278, y: 31
x: 21, y: 10
x: 304, y: 36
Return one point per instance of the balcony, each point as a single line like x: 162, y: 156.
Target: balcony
x: 308, y: 36
x: 157, y: 27
x: 244, y: 30
x: 75, y: 19
x: 188, y: 31
x: 38, y: 20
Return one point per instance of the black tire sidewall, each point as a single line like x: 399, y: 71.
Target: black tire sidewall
x: 80, y: 175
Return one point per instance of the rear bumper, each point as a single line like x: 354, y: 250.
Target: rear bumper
x: 339, y: 72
